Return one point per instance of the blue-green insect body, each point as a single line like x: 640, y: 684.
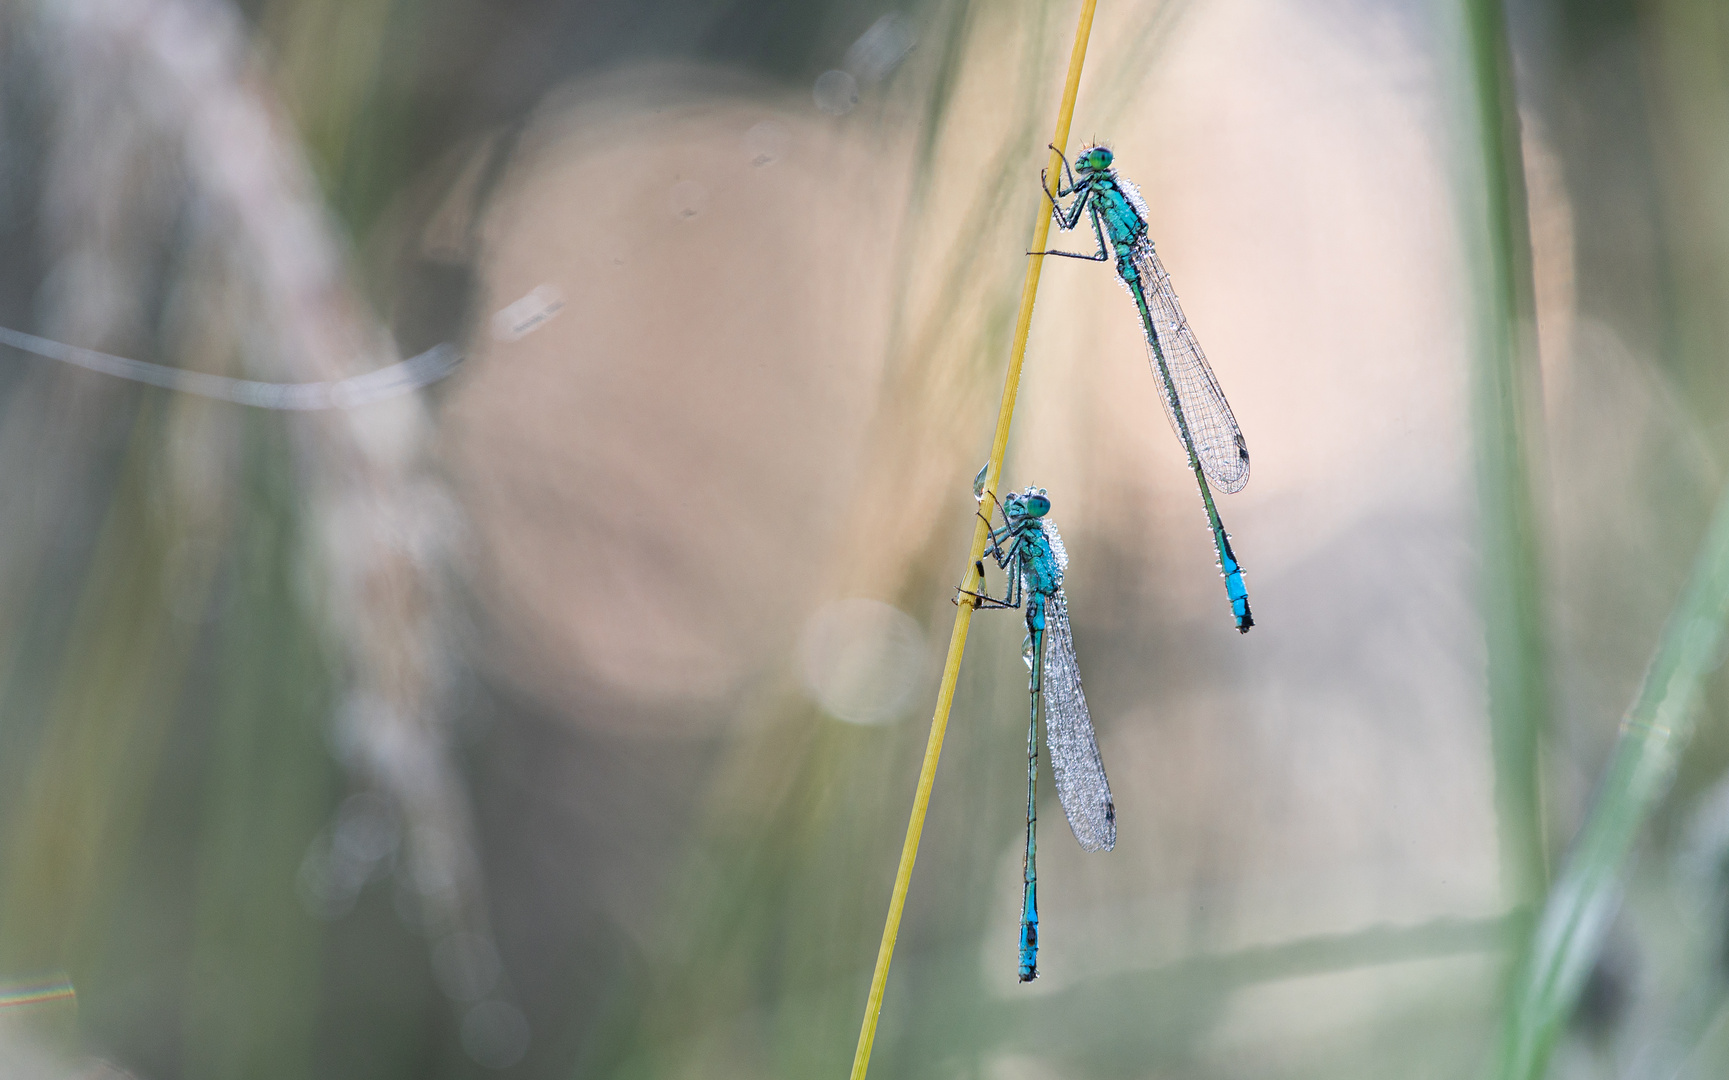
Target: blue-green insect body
x: 1041, y: 575
x: 1039, y: 569
x: 1030, y: 548
x: 1193, y: 401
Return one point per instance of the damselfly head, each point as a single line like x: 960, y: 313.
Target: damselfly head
x: 1031, y: 503
x: 1094, y: 159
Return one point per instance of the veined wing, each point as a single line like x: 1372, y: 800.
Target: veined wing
x: 1080, y: 775
x: 1218, y: 442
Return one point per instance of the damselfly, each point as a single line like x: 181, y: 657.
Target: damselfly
x: 1030, y: 549
x: 1193, y: 401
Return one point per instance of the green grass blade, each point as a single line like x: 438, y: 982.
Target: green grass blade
x: 1505, y: 406
x: 1653, y: 734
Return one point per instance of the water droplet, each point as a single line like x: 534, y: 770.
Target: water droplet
x: 495, y: 1034
x: 688, y: 198
x: 766, y: 142
x: 979, y: 482
x: 466, y: 965
x: 366, y: 828
x: 862, y: 659
x: 880, y: 49
x: 1027, y: 652
x: 836, y: 92
x: 522, y: 317
x: 326, y: 891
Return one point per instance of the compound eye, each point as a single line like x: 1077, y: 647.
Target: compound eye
x: 1037, y: 506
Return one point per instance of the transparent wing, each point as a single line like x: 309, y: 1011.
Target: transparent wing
x: 1081, y: 783
x: 1218, y: 442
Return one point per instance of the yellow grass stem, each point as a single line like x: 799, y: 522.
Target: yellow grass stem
x: 971, y: 581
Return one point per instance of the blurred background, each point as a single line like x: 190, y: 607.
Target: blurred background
x: 560, y: 718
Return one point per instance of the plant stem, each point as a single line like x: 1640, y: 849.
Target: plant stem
x: 970, y: 582
x: 1653, y: 734
x: 1506, y: 404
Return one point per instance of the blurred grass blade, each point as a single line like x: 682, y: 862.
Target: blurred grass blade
x: 1652, y: 737
x: 1505, y: 400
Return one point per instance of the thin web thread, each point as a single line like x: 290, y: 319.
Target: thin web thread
x: 400, y: 378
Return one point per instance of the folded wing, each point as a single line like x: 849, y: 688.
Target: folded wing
x: 1080, y: 775
x: 1218, y: 442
